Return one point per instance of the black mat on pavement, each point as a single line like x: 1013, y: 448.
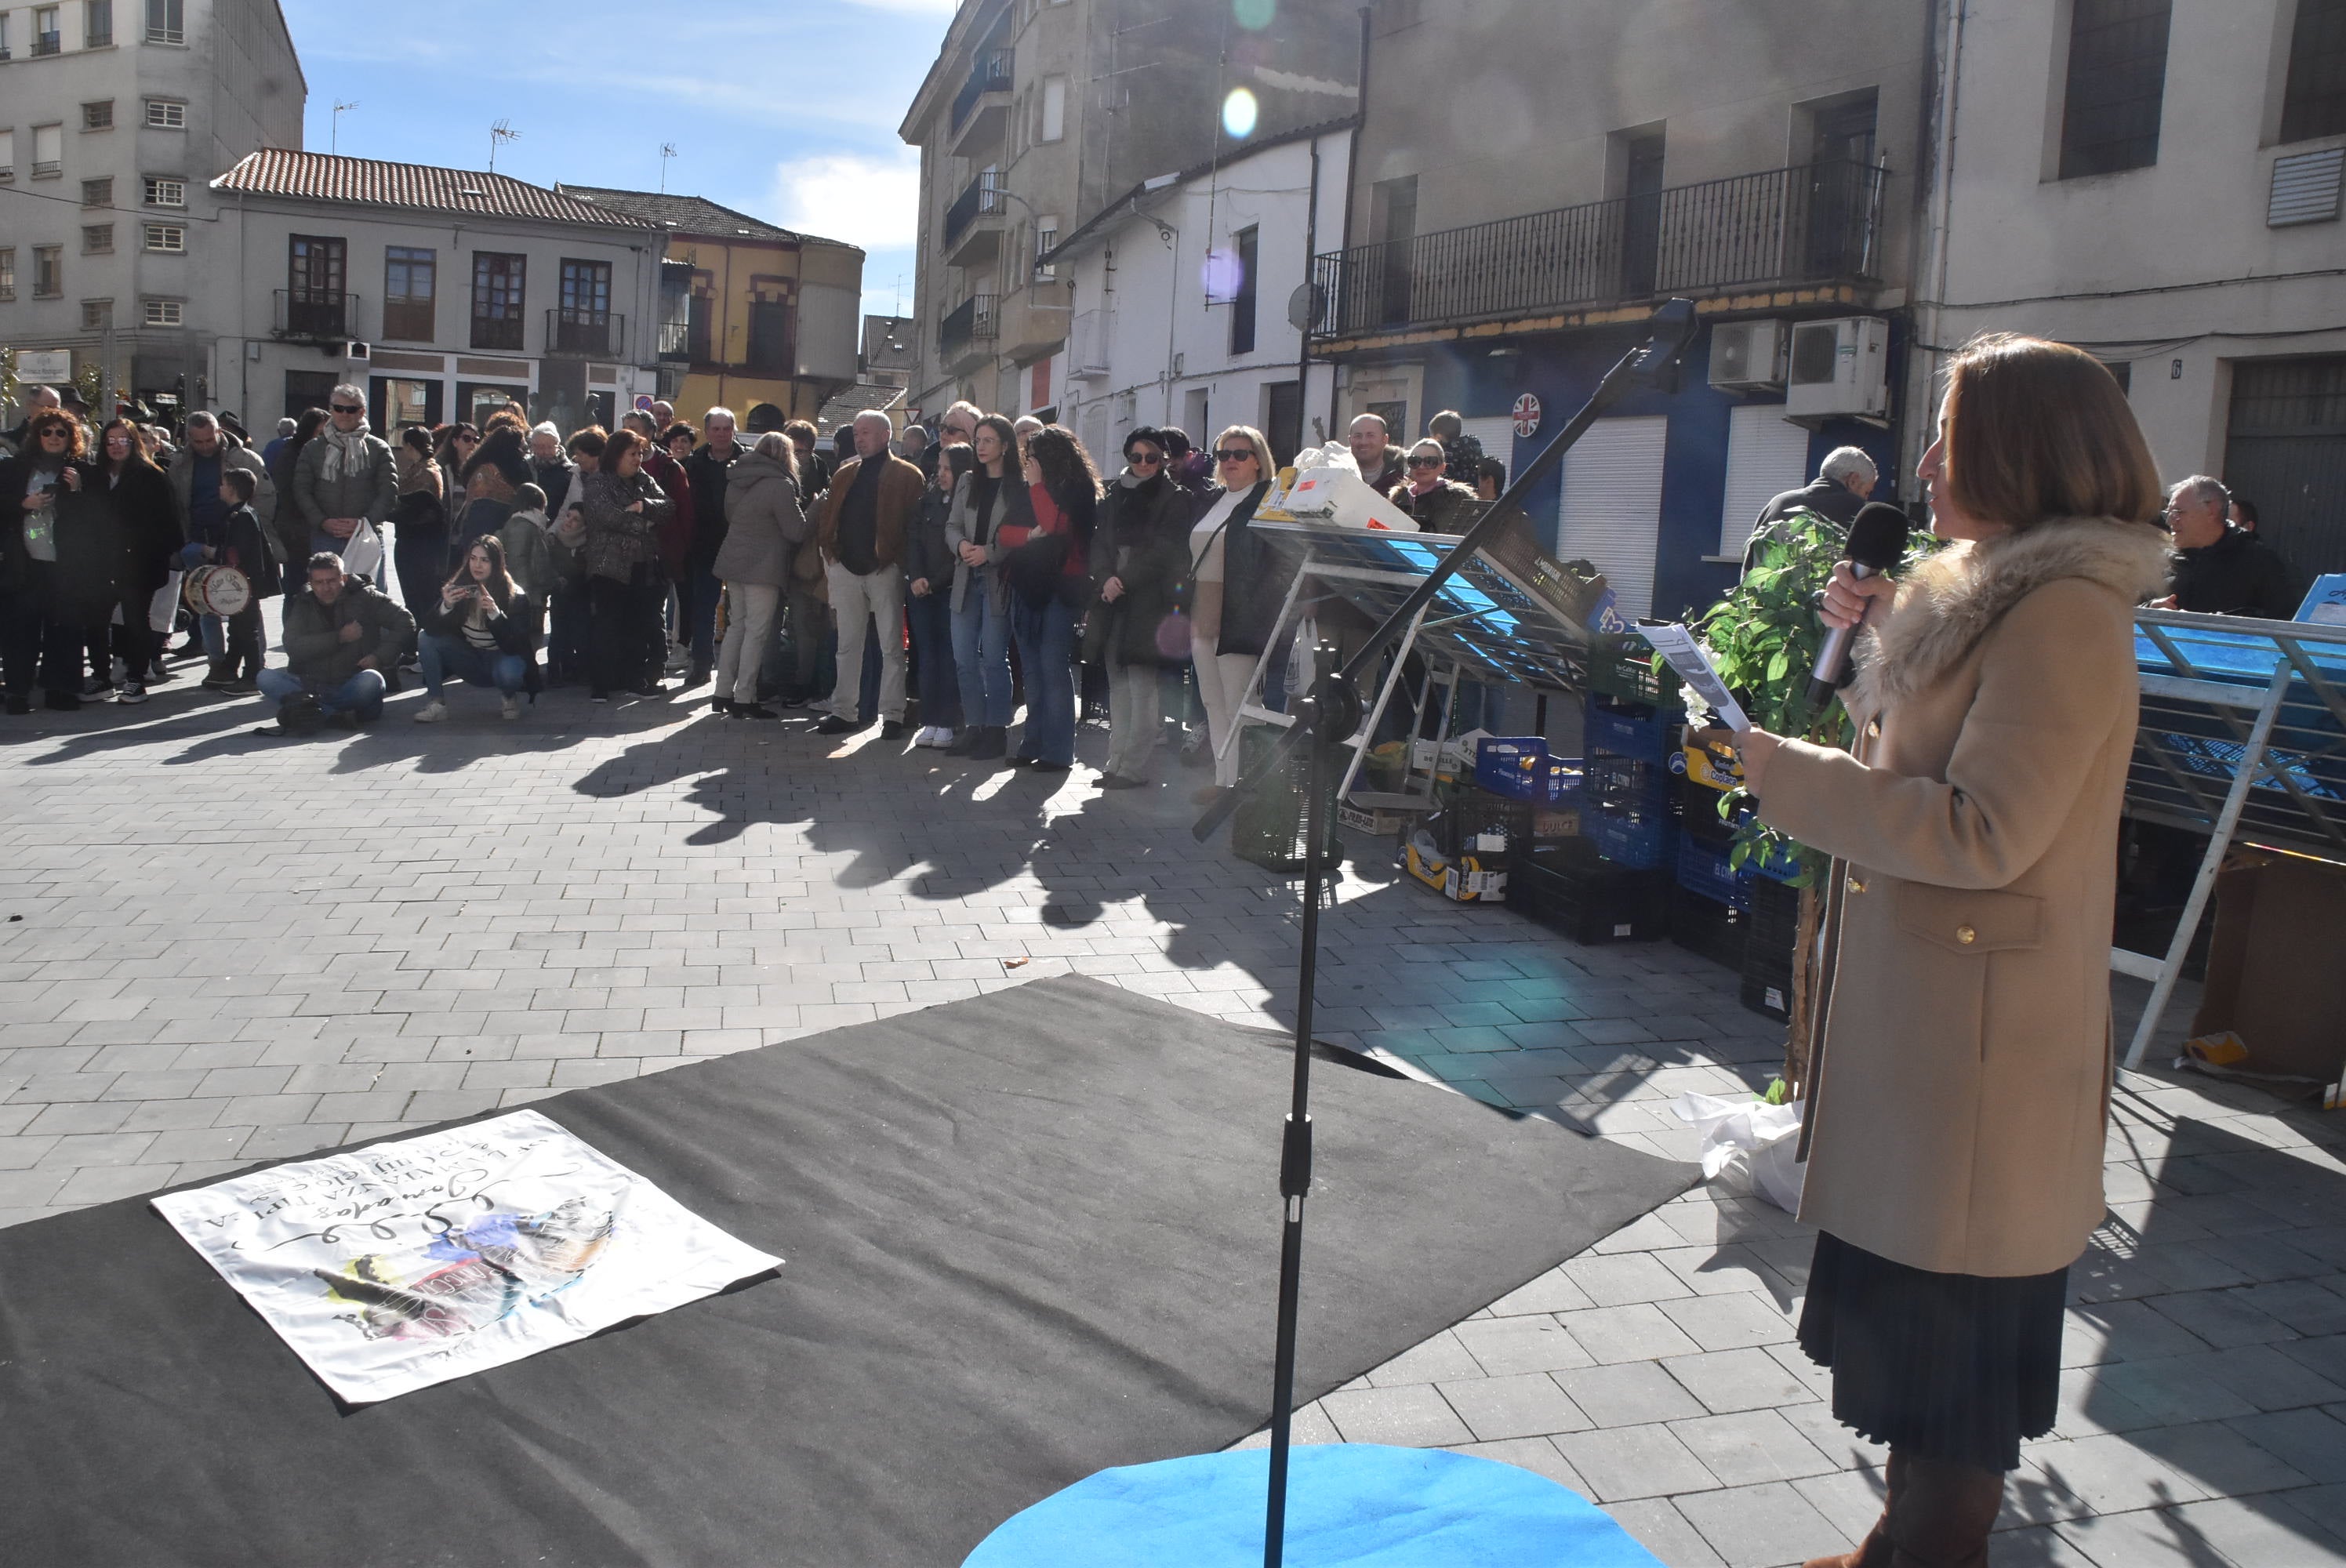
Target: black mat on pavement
x: 1026, y: 1236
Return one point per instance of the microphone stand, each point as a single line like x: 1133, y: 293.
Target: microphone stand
x: 1327, y: 718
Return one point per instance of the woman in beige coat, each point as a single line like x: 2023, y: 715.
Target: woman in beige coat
x: 1961, y: 1062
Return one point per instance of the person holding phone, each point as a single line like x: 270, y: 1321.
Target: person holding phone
x: 484, y: 628
x: 1959, y: 1056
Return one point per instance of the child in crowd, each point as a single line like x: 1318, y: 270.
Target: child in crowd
x: 236, y: 540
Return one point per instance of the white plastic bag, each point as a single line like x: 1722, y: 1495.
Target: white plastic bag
x: 1747, y: 1145
x: 363, y: 552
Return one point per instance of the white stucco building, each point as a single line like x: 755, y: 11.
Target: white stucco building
x: 113, y: 115
x: 2158, y: 181
x: 1181, y: 298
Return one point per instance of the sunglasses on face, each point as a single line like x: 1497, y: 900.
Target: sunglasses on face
x: 52, y: 433
x: 1144, y: 458
x: 348, y: 407
x: 1234, y: 454
x: 1425, y: 462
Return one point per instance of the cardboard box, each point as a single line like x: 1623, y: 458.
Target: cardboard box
x: 1383, y: 820
x: 2273, y: 974
x: 1469, y: 879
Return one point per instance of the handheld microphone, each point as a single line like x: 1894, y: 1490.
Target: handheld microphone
x: 1877, y: 540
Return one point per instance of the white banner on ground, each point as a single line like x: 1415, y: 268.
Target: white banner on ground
x: 396, y: 1267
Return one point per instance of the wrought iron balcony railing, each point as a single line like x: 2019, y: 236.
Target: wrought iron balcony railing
x: 1809, y: 224
x: 982, y: 199
x: 975, y: 320
x: 990, y: 73
x: 594, y: 334
x: 317, y: 315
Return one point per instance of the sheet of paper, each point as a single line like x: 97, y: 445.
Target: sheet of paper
x: 405, y: 1264
x: 1692, y: 662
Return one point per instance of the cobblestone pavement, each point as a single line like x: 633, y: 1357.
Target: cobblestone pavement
x: 223, y: 948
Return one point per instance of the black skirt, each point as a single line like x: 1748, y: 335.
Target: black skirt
x: 1951, y: 1366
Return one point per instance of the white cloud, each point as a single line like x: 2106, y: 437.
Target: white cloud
x: 873, y: 201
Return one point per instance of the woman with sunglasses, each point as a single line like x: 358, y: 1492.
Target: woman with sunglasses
x: 1436, y: 503
x: 1232, y: 608
x: 50, y: 582
x: 1136, y: 628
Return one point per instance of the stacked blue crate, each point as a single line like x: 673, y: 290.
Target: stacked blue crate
x: 1628, y: 804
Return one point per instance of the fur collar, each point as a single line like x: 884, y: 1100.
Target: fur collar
x: 1958, y: 596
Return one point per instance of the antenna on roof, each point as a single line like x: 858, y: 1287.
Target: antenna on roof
x: 499, y: 134
x: 335, y: 145
x: 668, y: 152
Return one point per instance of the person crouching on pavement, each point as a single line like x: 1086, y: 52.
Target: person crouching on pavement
x: 484, y: 628
x: 340, y: 635
x: 237, y: 540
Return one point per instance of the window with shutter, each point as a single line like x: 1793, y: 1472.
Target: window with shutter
x: 1611, y: 511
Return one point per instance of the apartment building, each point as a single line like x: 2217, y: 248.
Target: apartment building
x: 114, y: 114
x: 753, y: 317
x: 443, y: 291
x: 2158, y: 181
x: 1528, y: 184
x: 1038, y: 113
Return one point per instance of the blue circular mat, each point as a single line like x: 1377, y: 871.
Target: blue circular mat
x: 1356, y: 1504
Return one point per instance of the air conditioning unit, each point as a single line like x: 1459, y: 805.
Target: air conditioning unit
x: 1838, y: 367
x: 1747, y: 356
x: 358, y: 352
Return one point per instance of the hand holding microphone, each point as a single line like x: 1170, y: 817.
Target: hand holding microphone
x: 1877, y: 540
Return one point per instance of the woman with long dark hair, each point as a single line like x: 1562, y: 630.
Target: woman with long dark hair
x: 928, y: 601
x: 989, y: 496
x: 1959, y: 1065
x: 1048, y: 565
x: 621, y: 507
x: 133, y: 500
x: 498, y: 467
x: 55, y: 574
x: 484, y: 627
x: 1233, y: 609
x: 420, y: 547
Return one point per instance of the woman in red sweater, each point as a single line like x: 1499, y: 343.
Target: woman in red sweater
x: 1049, y: 570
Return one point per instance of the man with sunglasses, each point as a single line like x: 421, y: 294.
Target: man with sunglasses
x: 1437, y: 504
x: 345, y: 476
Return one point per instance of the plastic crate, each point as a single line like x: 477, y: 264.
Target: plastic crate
x: 1642, y: 843
x: 1702, y: 869
x: 1622, y: 784
x: 1477, y: 822
x: 1622, y: 667
x: 1648, y: 735
x: 1775, y: 916
x: 1709, y: 927
x: 1593, y: 901
x: 1769, y: 995
x: 1505, y: 765
x: 1268, y: 828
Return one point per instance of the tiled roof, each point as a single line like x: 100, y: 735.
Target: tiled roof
x: 686, y: 214
x: 324, y: 177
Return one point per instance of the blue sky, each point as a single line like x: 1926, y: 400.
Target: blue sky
x: 785, y: 109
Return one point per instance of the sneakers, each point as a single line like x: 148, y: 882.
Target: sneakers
x: 130, y: 691
x: 97, y: 685
x: 432, y: 712
x: 937, y: 737
x: 510, y: 707
x: 834, y: 725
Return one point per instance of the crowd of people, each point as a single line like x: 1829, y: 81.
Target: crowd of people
x: 955, y: 574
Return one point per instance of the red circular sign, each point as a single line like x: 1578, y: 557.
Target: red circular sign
x: 1527, y: 415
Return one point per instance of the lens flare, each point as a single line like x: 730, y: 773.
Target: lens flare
x: 1238, y: 113
x: 1254, y: 16
x: 1221, y: 274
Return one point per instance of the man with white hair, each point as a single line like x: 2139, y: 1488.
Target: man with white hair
x: 867, y: 517
x: 1843, y: 483
x: 30, y: 401
x: 551, y: 465
x: 2220, y: 570
x: 344, y: 477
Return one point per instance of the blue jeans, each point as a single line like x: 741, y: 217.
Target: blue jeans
x: 442, y: 656
x: 1046, y: 651
x: 933, y: 650
x: 700, y: 588
x: 362, y: 693
x: 981, y: 641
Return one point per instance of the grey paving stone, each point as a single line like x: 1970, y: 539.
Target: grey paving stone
x: 1758, y: 1526
x: 1726, y: 1381
x: 1624, y: 1462
x: 1551, y: 1292
x: 2112, y: 1474
x: 1528, y: 1404
x: 1503, y: 1347
x: 1620, y: 1278
x: 104, y: 1183
x: 1628, y: 1393
x: 1638, y: 1332
x: 2309, y: 1440
x: 1850, y: 1499
x: 2258, y: 1533
x: 2212, y: 1454
x: 1535, y: 1454
x: 1435, y: 1360
x: 1413, y: 1417
x: 1730, y: 1322
x: 1751, y: 1447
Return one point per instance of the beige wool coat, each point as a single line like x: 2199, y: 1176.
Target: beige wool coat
x: 1961, y: 1054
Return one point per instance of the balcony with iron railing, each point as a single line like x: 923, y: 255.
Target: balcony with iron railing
x: 968, y: 329
x: 315, y: 315
x: 981, y: 110
x: 498, y: 330
x: 1811, y: 224
x: 967, y: 238
x: 676, y: 337
x: 588, y: 334
x: 990, y: 73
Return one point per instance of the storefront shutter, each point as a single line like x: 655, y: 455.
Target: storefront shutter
x: 1767, y: 455
x: 1612, y: 507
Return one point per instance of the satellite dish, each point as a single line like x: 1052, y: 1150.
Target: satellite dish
x: 1306, y: 306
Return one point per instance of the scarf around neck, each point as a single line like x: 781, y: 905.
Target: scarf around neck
x: 346, y: 455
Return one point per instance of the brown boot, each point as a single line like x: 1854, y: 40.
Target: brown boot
x: 1943, y: 1514
x: 1874, y: 1550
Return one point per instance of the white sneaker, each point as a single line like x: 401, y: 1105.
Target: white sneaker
x: 432, y: 713
x: 926, y: 736
x: 512, y: 705
x: 939, y: 737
